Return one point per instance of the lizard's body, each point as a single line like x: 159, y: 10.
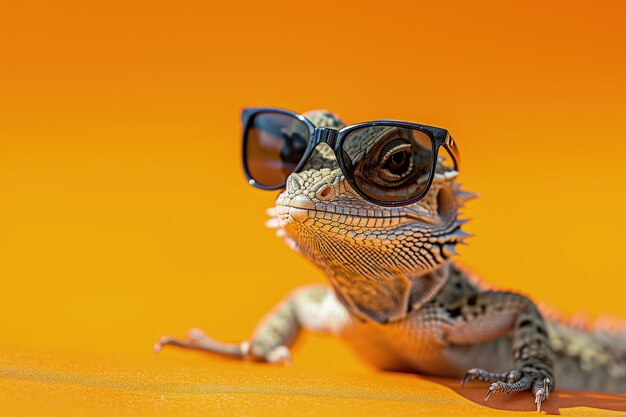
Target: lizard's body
x: 399, y: 300
x: 584, y: 360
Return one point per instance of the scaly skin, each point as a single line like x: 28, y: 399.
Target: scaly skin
x: 400, y: 301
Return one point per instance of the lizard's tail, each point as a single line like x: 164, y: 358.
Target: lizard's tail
x: 589, y: 356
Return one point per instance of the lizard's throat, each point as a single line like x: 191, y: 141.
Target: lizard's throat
x: 372, y: 258
x: 377, y: 276
x: 367, y: 243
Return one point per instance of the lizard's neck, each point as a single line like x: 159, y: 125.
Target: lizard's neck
x: 376, y: 273
x: 390, y: 297
x: 380, y: 289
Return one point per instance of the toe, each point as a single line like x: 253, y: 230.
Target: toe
x: 164, y: 340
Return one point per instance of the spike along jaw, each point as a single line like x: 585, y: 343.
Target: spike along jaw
x: 323, y: 218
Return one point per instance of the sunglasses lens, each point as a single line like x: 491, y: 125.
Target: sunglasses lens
x: 389, y: 163
x: 275, y: 144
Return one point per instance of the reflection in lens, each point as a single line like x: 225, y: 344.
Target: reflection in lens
x: 389, y: 163
x: 275, y: 143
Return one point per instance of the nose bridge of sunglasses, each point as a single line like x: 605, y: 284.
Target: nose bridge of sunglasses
x: 321, y: 135
x: 325, y: 135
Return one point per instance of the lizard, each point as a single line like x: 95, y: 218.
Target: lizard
x: 400, y: 299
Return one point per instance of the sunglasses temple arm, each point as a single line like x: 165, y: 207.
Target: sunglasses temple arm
x: 453, y: 150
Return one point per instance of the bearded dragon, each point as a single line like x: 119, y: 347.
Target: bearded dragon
x: 397, y: 297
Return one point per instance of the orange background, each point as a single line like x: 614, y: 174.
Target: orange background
x: 124, y: 213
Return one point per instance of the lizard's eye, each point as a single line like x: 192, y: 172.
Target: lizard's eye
x: 389, y: 163
x: 396, y: 160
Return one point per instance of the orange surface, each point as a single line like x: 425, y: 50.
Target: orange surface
x: 124, y: 214
x: 176, y: 384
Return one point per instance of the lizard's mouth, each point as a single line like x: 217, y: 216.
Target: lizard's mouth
x: 301, y: 210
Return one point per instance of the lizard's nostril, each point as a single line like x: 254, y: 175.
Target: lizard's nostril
x: 326, y: 192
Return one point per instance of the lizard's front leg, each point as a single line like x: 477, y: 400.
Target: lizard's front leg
x: 313, y: 308
x: 494, y: 314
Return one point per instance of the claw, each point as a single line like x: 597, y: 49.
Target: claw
x: 538, y: 399
x: 466, y: 377
x: 542, y: 393
x: 490, y: 391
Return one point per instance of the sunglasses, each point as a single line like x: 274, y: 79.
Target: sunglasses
x: 387, y: 162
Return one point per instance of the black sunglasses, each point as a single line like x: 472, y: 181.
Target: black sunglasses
x: 387, y: 162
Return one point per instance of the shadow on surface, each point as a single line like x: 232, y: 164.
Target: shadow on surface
x: 524, y: 401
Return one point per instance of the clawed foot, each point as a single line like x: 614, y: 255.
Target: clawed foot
x: 198, y: 340
x: 513, y: 381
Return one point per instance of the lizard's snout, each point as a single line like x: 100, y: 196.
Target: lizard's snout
x: 299, y: 207
x: 294, y: 209
x: 303, y: 190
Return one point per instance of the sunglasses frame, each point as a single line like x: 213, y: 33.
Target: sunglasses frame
x: 334, y: 138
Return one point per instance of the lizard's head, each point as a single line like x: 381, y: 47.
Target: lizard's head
x: 323, y: 218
